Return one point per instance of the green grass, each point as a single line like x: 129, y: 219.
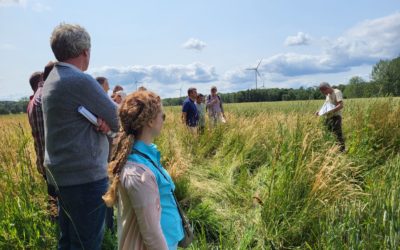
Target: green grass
x: 271, y: 178
x: 24, y: 222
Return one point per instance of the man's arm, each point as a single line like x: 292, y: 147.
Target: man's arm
x: 184, y: 115
x: 93, y: 98
x: 338, y: 107
x: 185, y: 109
x: 221, y: 106
x: 339, y: 101
x: 210, y: 101
x: 39, y: 135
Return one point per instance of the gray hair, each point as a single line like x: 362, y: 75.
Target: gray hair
x: 69, y: 41
x: 324, y: 85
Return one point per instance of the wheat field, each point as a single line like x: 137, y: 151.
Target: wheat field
x: 270, y: 178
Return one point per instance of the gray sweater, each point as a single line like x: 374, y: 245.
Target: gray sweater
x: 76, y: 153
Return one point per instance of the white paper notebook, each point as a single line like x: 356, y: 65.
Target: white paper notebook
x: 326, y: 108
x: 88, y: 115
x: 93, y: 119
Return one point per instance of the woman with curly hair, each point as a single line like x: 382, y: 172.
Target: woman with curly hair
x: 148, y: 217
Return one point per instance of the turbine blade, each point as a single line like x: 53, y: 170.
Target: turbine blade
x: 259, y: 63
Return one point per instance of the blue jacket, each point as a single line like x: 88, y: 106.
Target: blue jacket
x: 171, y: 222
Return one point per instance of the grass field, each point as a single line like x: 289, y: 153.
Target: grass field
x: 271, y: 178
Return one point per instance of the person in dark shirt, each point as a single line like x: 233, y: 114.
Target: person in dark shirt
x: 35, y: 115
x: 190, y: 115
x: 103, y: 83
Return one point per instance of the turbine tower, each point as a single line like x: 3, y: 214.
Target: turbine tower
x: 180, y: 92
x: 136, y: 83
x: 256, y: 73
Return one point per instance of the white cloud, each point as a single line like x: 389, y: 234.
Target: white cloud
x: 364, y: 44
x: 194, y: 44
x: 368, y: 42
x: 161, y: 78
x: 359, y: 47
x: 297, y: 40
x: 34, y: 5
x: 39, y: 7
x: 9, y: 3
x: 238, y: 76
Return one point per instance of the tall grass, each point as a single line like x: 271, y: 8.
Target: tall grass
x: 275, y: 179
x: 24, y: 222
x: 270, y: 178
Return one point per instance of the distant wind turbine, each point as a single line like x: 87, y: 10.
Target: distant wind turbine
x: 180, y: 92
x: 136, y: 83
x: 256, y: 73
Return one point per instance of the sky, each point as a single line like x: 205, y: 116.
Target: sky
x: 169, y: 46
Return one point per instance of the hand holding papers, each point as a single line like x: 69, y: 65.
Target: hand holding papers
x: 93, y: 119
x: 326, y: 108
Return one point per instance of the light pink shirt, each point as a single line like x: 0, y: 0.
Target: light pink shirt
x: 139, y: 210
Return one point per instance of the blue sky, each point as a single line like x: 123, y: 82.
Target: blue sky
x: 172, y: 44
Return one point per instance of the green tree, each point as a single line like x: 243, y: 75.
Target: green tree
x: 386, y: 73
x: 355, y: 88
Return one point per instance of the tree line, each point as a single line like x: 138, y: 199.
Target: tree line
x: 385, y: 81
x: 13, y: 107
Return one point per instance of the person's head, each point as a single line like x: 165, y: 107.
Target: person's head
x: 200, y: 98
x: 213, y: 90
x: 103, y: 83
x: 119, y: 97
x: 325, y: 88
x: 117, y: 88
x: 71, y: 43
x: 141, y: 112
x: 192, y: 93
x: 35, y: 79
x: 47, y: 69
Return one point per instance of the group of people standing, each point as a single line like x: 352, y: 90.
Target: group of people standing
x: 73, y: 155
x: 195, y: 106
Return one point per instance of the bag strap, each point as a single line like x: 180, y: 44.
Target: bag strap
x: 220, y: 103
x: 135, y: 151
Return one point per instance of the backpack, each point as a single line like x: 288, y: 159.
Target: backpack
x: 220, y: 102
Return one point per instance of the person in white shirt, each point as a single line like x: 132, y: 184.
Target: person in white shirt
x: 215, y: 108
x: 201, y: 110
x: 333, y: 120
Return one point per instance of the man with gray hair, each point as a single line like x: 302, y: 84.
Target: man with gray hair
x: 76, y: 151
x: 333, y: 119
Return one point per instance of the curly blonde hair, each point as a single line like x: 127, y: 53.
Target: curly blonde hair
x: 137, y: 110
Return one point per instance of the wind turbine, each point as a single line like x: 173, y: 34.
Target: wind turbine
x: 180, y: 92
x: 136, y: 83
x: 256, y: 73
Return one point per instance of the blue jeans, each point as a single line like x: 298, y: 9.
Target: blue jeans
x: 82, y: 214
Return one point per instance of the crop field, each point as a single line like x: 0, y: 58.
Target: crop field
x: 272, y: 177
